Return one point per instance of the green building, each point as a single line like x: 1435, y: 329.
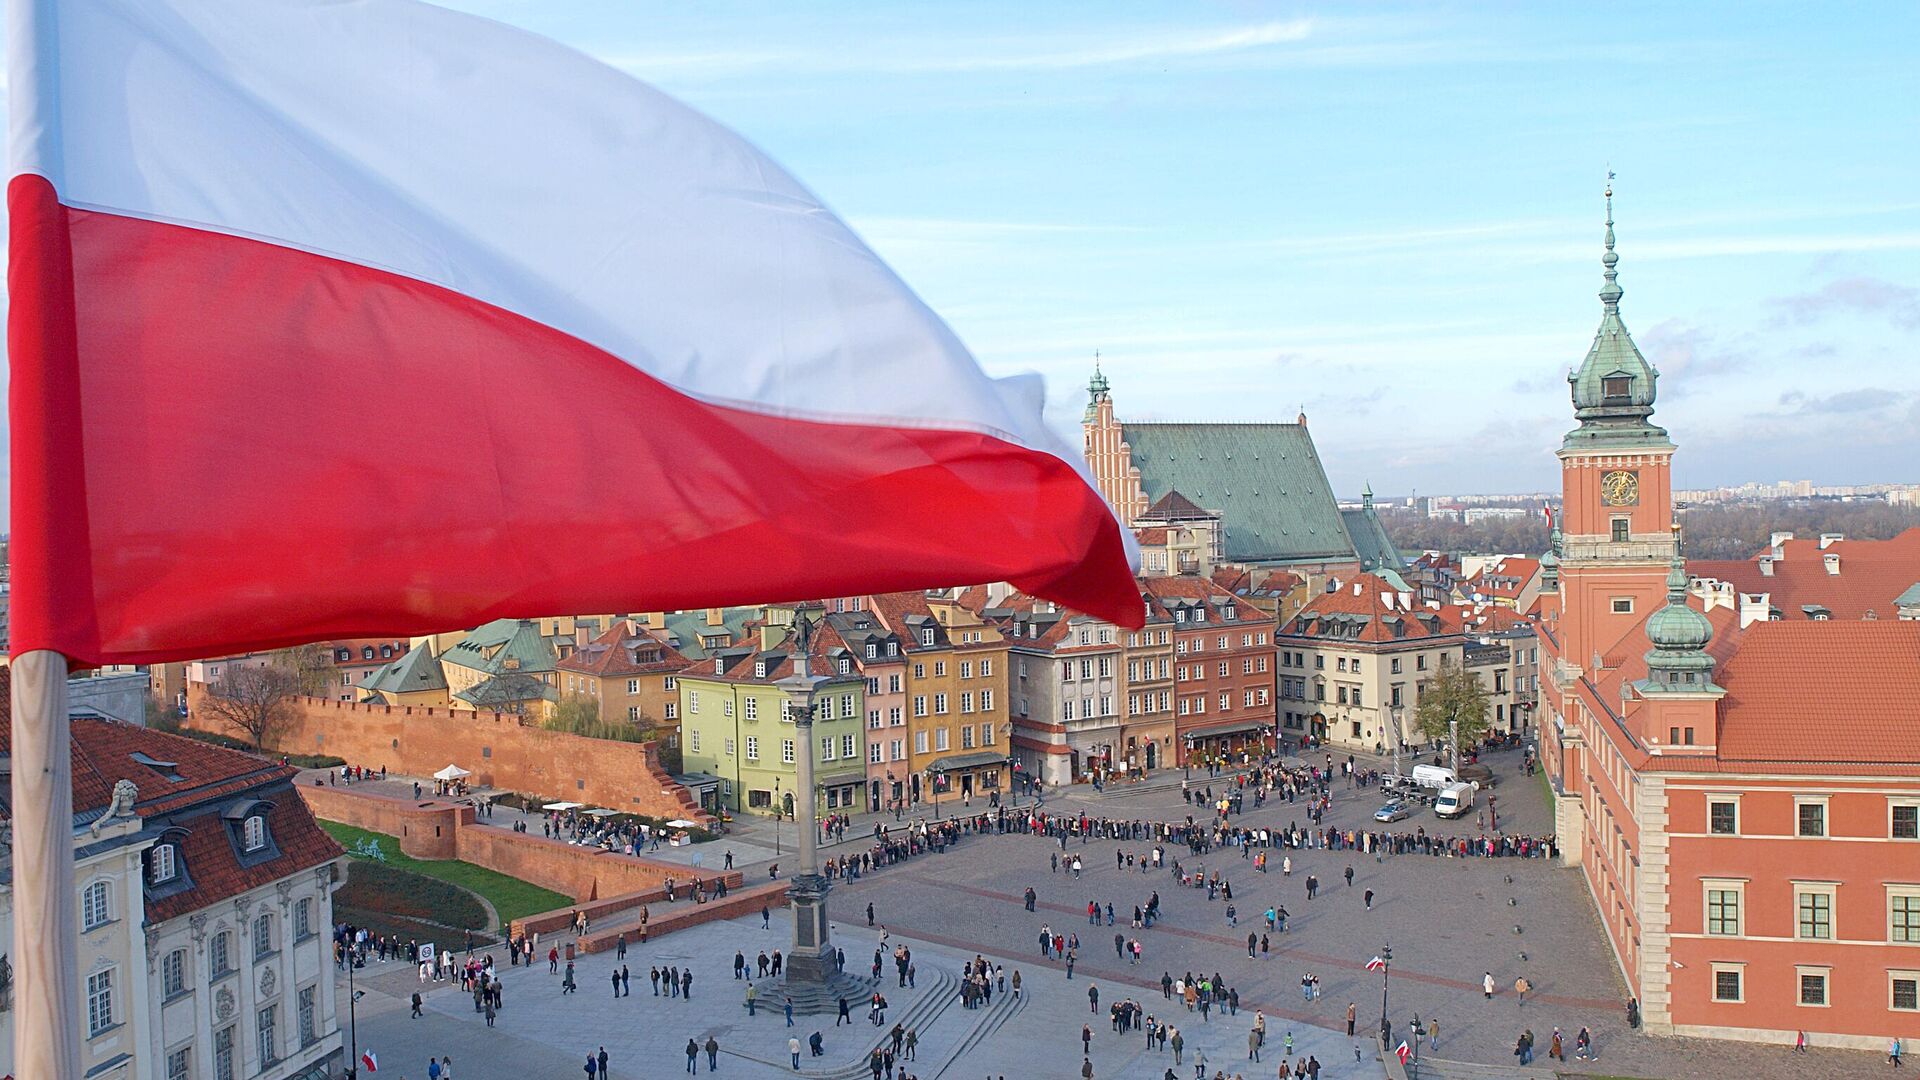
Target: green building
x: 734, y: 726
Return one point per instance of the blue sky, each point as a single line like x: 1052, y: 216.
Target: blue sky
x: 1389, y: 215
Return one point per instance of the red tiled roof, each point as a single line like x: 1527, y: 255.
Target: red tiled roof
x: 612, y: 653
x: 1365, y: 596
x: 216, y: 871
x: 1174, y: 506
x: 1155, y: 535
x: 1866, y: 707
x: 1872, y: 573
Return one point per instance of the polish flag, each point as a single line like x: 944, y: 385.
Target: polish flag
x: 1403, y: 1052
x: 331, y: 319
x: 368, y: 1059
x: 1376, y: 964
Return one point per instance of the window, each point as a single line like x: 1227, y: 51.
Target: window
x: 303, y: 919
x: 849, y: 746
x: 1815, y: 906
x: 1723, y: 816
x: 1727, y: 983
x: 941, y: 740
x: 1394, y: 668
x: 1811, y: 816
x: 693, y: 740
x: 1903, y: 917
x: 726, y: 707
x: 1623, y: 605
x: 966, y: 702
x: 749, y: 708
x: 847, y: 708
x: 729, y: 747
x: 846, y: 666
x: 262, y: 937
x: 826, y: 748
x: 1903, y: 990
x: 223, y: 1053
x: 95, y: 908
x: 1723, y: 909
x: 1906, y: 821
x: 753, y: 748
x: 693, y: 702
x: 180, y: 1064
x: 1813, y: 986
x: 986, y: 734
x: 940, y: 704
x: 99, y: 1002
x: 253, y: 833
x: 986, y: 668
x: 667, y: 683
x: 309, y: 1028
x: 265, y: 1022
x: 873, y: 752
x: 894, y: 717
x: 966, y: 736
x: 897, y: 750
x: 1226, y: 669
x: 986, y: 701
x: 919, y: 742
x: 786, y: 751
x: 939, y: 669
x: 220, y: 953
x: 173, y: 973
x: 1620, y: 533
x: 920, y: 705
x: 966, y: 669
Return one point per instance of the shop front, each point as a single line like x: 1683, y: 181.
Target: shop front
x: 966, y: 776
x: 1228, y: 742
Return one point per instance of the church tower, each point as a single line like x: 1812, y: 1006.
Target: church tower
x: 1109, y: 457
x: 1616, y: 489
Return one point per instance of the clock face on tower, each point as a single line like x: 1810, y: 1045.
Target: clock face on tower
x: 1620, y: 488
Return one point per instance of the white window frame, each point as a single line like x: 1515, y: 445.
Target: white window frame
x: 1713, y: 983
x: 1620, y: 605
x: 1910, y: 893
x: 1826, y: 817
x: 1828, y: 889
x: 100, y: 1002
x: 96, y: 905
x: 1714, y: 797
x: 1825, y: 974
x: 1896, y: 802
x: 1903, y: 975
x: 1709, y: 886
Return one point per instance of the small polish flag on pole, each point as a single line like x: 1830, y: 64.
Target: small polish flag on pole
x: 1376, y: 964
x: 370, y: 1061
x: 1402, y: 1052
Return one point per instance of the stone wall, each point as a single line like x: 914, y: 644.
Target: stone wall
x: 438, y: 829
x: 496, y: 748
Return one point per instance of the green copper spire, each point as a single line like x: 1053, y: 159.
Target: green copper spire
x: 1679, y: 635
x: 1096, y: 389
x: 1613, y: 389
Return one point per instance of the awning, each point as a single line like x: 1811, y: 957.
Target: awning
x: 602, y: 813
x: 696, y: 780
x: 968, y: 761
x: 1245, y: 726
x: 561, y: 806
x: 451, y: 772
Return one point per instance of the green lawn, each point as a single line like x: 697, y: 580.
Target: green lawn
x: 510, y: 896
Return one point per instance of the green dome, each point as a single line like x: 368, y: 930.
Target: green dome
x: 1679, y: 634
x: 1613, y: 388
x: 1679, y: 627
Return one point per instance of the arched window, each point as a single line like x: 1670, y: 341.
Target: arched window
x: 96, y: 905
x: 262, y: 936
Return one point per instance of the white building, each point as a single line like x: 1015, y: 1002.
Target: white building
x: 204, y: 890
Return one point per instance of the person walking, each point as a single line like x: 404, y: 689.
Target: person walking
x: 416, y: 1007
x: 1893, y: 1052
x: 602, y: 1058
x: 1093, y: 999
x: 1352, y: 1013
x: 1433, y: 1034
x: 1486, y: 986
x: 1253, y: 1045
x: 1520, y: 988
x: 752, y: 998
x: 1179, y: 1042
x: 693, y: 1057
x: 793, y: 1050
x: 713, y: 1055
x: 1368, y: 897
x: 789, y: 1012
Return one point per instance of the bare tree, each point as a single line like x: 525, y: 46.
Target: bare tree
x: 312, y: 667
x: 256, y: 701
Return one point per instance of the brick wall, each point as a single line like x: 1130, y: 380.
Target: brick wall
x: 434, y: 829
x: 682, y: 915
x: 495, y: 747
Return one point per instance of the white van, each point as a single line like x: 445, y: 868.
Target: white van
x: 1434, y: 776
x: 1454, y: 801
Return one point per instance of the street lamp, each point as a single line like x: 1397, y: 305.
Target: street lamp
x: 779, y: 807
x: 353, y: 1019
x: 1386, y: 969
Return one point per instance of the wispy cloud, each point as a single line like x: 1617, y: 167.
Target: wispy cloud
x: 988, y: 54
x: 1855, y: 295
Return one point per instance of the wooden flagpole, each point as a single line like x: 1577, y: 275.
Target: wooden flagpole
x: 45, y: 930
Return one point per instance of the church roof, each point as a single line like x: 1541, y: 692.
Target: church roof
x: 1265, y: 480
x: 415, y: 671
x: 1370, y: 540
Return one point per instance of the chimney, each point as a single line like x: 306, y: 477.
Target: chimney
x: 1766, y: 564
x: 716, y: 616
x: 1406, y: 601
x: 1754, y: 607
x: 1827, y: 540
x: 1356, y: 588
x: 1778, y: 542
x: 1386, y: 598
x: 1832, y: 561
x: 997, y: 593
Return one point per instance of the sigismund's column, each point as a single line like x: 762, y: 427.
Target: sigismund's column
x: 810, y: 960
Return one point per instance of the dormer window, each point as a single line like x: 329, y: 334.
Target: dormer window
x: 1616, y: 387
x: 719, y: 665
x: 759, y: 669
x: 366, y: 652
x: 846, y: 666
x: 253, y: 833
x: 386, y: 651
x: 873, y: 650
x: 343, y: 655
x: 926, y: 635
x: 1232, y: 614
x: 163, y: 864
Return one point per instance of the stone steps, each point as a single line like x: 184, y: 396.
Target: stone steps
x: 1442, y: 1069
x: 1004, y: 1008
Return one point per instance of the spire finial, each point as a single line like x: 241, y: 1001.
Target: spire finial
x: 1611, y: 291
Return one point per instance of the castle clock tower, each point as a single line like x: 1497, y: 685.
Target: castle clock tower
x: 1616, y: 489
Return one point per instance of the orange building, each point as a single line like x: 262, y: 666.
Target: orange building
x: 1223, y: 668
x: 1740, y: 784
x: 630, y: 674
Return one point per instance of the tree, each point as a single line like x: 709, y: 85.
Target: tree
x: 312, y: 667
x: 1453, y: 694
x: 162, y: 715
x: 254, y: 700
x: 576, y: 713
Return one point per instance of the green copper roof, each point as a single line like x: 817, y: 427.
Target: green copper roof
x: 1265, y: 480
x: 1613, y: 389
x: 411, y: 672
x: 1679, y: 634
x: 1370, y: 539
x: 504, y: 645
x: 1096, y: 389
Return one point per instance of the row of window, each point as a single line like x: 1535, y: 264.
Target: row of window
x: 1810, y: 815
x: 1223, y: 642
x: 1814, y: 911
x: 1293, y: 659
x: 1813, y: 987
x: 896, y: 749
x: 266, y: 1035
x: 1197, y: 704
x: 1249, y: 665
x: 1139, y: 703
x: 1088, y: 666
x: 1137, y: 670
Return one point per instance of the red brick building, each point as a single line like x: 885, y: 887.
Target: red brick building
x: 1224, y: 660
x: 1739, y: 780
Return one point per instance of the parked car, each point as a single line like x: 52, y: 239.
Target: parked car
x: 1393, y: 811
x: 1454, y: 801
x: 1434, y: 776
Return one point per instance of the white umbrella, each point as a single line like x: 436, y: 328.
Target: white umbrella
x: 682, y: 823
x: 561, y: 806
x: 601, y: 813
x: 451, y: 772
